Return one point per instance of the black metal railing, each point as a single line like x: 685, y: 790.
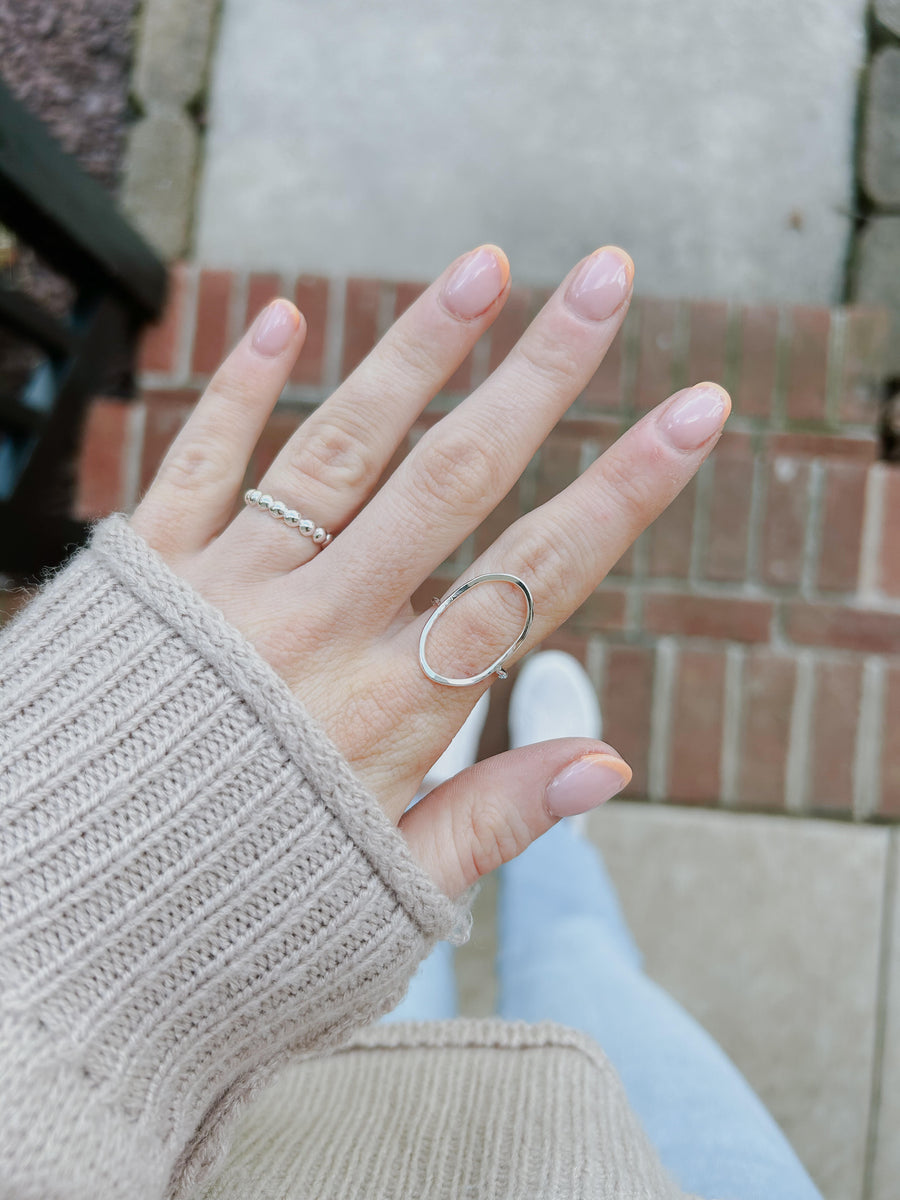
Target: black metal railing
x: 118, y: 284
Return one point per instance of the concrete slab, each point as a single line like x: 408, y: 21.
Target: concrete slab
x: 886, y: 1144
x: 767, y: 929
x: 713, y: 141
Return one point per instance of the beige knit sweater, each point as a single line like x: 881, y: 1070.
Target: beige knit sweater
x: 201, y: 908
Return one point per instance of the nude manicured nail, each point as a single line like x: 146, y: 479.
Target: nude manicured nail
x: 692, y: 418
x: 274, y: 328
x: 476, y: 283
x: 585, y: 783
x: 602, y: 284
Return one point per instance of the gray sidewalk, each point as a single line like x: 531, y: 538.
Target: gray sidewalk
x: 713, y: 141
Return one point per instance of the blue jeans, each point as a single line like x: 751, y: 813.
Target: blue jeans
x: 567, y: 955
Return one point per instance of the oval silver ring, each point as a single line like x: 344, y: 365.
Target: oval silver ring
x: 497, y: 665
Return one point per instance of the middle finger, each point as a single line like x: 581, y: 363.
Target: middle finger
x: 464, y: 465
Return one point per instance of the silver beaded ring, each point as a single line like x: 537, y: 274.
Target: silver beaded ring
x: 257, y: 499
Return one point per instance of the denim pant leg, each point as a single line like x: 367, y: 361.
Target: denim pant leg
x: 432, y: 990
x: 566, y: 955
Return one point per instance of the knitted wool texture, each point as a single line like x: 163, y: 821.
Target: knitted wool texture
x: 194, y: 886
x: 487, y: 1109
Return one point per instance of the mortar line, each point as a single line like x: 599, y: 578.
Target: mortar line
x: 731, y: 726
x: 870, y: 542
x: 866, y: 758
x: 661, y: 718
x: 797, y: 767
x: 334, y: 318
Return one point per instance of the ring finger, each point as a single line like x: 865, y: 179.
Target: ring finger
x: 328, y: 468
x: 563, y: 549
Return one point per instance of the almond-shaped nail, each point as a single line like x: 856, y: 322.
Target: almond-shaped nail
x: 690, y: 419
x: 475, y: 283
x: 602, y: 284
x: 274, y: 328
x: 585, y: 783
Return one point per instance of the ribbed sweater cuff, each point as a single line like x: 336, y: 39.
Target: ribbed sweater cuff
x: 193, y: 883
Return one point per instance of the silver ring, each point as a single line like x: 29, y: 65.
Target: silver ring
x: 497, y: 664
x: 308, y: 528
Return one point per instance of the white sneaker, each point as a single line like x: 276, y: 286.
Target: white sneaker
x: 462, y: 751
x: 552, y: 698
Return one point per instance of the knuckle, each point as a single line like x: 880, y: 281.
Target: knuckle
x: 493, y: 838
x: 333, y: 456
x: 552, y: 360
x: 407, y: 358
x: 454, y: 467
x: 627, y: 493
x: 192, y: 466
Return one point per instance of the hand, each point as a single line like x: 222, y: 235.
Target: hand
x: 337, y: 623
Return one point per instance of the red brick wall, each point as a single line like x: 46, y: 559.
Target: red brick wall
x: 747, y: 649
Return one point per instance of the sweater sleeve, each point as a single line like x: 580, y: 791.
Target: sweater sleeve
x: 194, y: 886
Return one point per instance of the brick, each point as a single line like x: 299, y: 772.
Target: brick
x: 211, y: 331
x: 166, y: 412
x: 718, y: 617
x: 821, y: 445
x: 889, y: 543
x: 604, y: 391
x: 604, y: 611
x: 360, y: 322
x: 280, y: 426
x: 837, y: 695
x: 767, y: 700
x: 626, y: 703
x: 102, y: 460
x: 161, y: 342
x: 311, y: 297
x: 866, y: 333
x: 754, y: 394
x: 656, y: 363
x: 843, y: 501
x: 509, y: 325
x: 725, y: 547
x: 708, y: 341
x: 843, y: 628
x: 262, y: 289
x: 560, y: 458
x: 890, y: 746
x: 698, y: 707
x: 784, y: 525
x: 808, y: 363
x: 881, y: 139
x: 670, y: 537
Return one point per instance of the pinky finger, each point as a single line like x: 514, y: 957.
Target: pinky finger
x: 194, y: 492
x: 489, y: 813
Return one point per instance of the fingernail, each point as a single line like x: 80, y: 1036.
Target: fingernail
x: 602, y: 284
x: 476, y: 283
x: 692, y: 418
x: 585, y: 783
x: 274, y: 328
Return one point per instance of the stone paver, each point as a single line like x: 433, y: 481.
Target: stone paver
x: 714, y: 141
x: 877, y: 274
x: 888, y: 13
x: 767, y: 930
x: 172, y: 51
x: 886, y: 1163
x: 159, y: 182
x: 881, y: 154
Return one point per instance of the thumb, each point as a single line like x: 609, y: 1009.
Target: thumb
x: 489, y: 813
